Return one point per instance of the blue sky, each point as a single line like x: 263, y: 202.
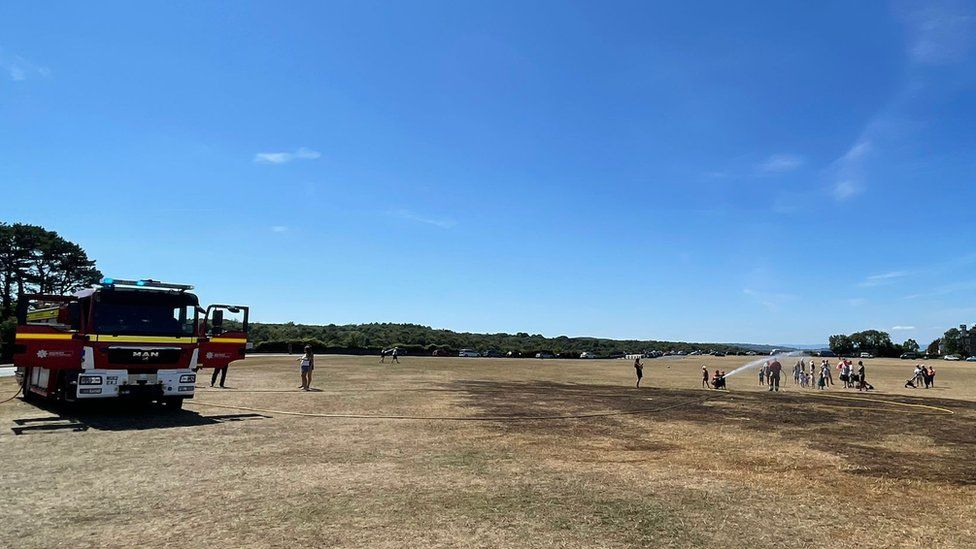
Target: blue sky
x: 708, y: 171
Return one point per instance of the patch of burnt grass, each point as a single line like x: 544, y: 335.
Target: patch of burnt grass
x: 847, y: 427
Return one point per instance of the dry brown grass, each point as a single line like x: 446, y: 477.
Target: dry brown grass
x: 669, y: 465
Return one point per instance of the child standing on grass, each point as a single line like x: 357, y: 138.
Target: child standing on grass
x: 306, y: 362
x: 639, y: 367
x: 704, y: 376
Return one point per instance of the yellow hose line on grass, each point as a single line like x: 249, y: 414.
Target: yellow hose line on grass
x: 945, y: 411
x: 13, y: 397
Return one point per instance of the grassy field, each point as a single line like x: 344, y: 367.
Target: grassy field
x: 440, y: 452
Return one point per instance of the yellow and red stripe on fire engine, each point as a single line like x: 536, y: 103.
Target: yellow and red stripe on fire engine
x: 100, y: 338
x: 43, y: 336
x: 228, y: 340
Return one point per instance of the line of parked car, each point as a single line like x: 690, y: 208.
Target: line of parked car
x: 957, y: 357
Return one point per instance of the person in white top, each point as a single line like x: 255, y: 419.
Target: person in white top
x: 307, y: 363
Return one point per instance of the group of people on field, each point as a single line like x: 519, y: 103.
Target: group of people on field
x: 921, y: 375
x: 820, y: 376
x: 804, y: 375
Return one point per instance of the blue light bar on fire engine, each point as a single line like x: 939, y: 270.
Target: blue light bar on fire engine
x: 144, y: 283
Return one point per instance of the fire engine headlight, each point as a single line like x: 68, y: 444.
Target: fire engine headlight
x: 89, y: 380
x: 188, y: 378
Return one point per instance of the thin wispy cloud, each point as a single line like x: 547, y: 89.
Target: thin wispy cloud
x: 888, y: 275
x: 902, y: 328
x: 848, y: 172
x: 19, y: 69
x: 279, y: 229
x: 857, y: 152
x: 947, y: 289
x: 780, y: 163
x: 846, y: 189
x: 772, y: 301
x: 883, y: 278
x: 410, y: 215
x: 939, y: 32
x: 284, y: 157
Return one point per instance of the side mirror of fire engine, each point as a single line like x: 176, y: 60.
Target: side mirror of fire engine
x: 217, y: 322
x: 73, y: 314
x: 22, y: 307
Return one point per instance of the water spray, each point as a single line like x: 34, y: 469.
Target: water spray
x: 763, y: 359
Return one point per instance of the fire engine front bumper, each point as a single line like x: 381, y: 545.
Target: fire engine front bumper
x: 122, y: 384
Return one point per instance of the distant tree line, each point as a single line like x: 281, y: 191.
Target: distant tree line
x: 955, y: 341
x: 417, y: 339
x: 878, y: 343
x: 36, y: 260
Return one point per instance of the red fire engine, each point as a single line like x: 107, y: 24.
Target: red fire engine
x: 139, y: 339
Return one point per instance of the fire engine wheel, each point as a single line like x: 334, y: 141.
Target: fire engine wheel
x: 172, y: 403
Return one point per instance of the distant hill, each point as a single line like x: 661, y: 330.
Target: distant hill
x: 417, y: 339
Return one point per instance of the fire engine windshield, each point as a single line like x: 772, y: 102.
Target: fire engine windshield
x: 121, y: 312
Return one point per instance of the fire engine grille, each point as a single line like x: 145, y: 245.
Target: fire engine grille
x: 144, y: 355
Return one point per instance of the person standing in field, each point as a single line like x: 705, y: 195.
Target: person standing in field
x: 223, y: 376
x: 861, y: 380
x: 919, y: 374
x: 830, y: 375
x: 396, y: 356
x: 704, y: 376
x: 797, y: 370
x: 311, y: 364
x: 307, y: 363
x: 762, y: 373
x: 775, y: 369
x: 639, y: 368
